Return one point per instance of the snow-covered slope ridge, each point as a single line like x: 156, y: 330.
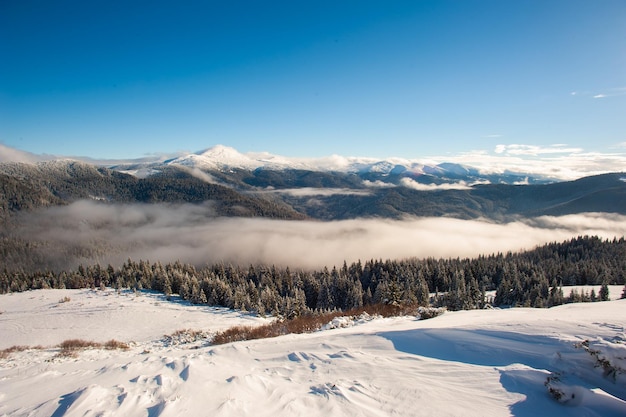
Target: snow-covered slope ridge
x: 224, y: 157
x: 467, y: 363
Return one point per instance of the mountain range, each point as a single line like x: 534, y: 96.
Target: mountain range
x: 332, y: 188
x: 223, y: 158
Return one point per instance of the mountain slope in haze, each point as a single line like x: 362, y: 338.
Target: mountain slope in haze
x: 604, y: 193
x: 239, y: 185
x: 27, y: 186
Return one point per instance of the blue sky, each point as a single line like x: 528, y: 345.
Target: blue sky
x: 113, y: 79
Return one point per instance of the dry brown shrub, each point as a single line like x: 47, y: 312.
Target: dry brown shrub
x: 233, y: 334
x: 17, y: 348
x: 386, y: 310
x: 116, y: 344
x: 71, y: 347
x: 312, y: 322
x: 185, y: 336
x: 76, y: 344
x: 5, y: 353
x: 301, y: 324
x: 189, y: 333
x: 67, y: 353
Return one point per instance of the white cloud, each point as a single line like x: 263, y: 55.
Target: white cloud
x: 411, y: 183
x: 552, y: 162
x: 500, y: 149
x: 378, y: 184
x: 534, y: 150
x: 201, y: 175
x: 311, y: 191
x: 610, y: 92
x: 8, y: 154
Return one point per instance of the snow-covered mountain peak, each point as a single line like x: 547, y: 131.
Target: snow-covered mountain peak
x: 225, y: 157
x: 217, y: 157
x: 221, y: 152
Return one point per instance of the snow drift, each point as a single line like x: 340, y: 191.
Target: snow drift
x: 470, y: 363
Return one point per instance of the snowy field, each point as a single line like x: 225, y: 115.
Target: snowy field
x: 467, y: 363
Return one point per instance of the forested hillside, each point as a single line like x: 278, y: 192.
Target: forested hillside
x: 532, y: 278
x: 26, y: 187
x: 298, y: 194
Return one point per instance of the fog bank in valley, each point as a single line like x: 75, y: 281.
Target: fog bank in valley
x: 192, y: 234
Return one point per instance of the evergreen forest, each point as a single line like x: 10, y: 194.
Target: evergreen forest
x: 532, y: 278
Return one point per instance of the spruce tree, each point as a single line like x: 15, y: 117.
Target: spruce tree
x: 604, y: 292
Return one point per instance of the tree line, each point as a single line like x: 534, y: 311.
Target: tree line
x: 533, y: 278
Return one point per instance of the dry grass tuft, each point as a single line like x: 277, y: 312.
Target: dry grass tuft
x: 5, y: 353
x: 76, y: 344
x: 116, y: 344
x: 185, y: 336
x: 71, y: 347
x: 188, y: 333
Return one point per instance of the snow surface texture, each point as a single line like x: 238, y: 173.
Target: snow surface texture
x: 467, y: 363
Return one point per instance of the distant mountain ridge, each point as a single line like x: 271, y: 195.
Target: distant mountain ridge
x: 222, y: 161
x: 276, y: 187
x: 220, y: 158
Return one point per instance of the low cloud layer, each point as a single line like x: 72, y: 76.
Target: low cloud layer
x: 461, y: 185
x: 533, y: 150
x: 314, y: 192
x: 8, y: 154
x: 557, y: 161
x: 191, y: 233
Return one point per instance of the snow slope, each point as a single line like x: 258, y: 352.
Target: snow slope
x: 468, y: 363
x: 45, y: 318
